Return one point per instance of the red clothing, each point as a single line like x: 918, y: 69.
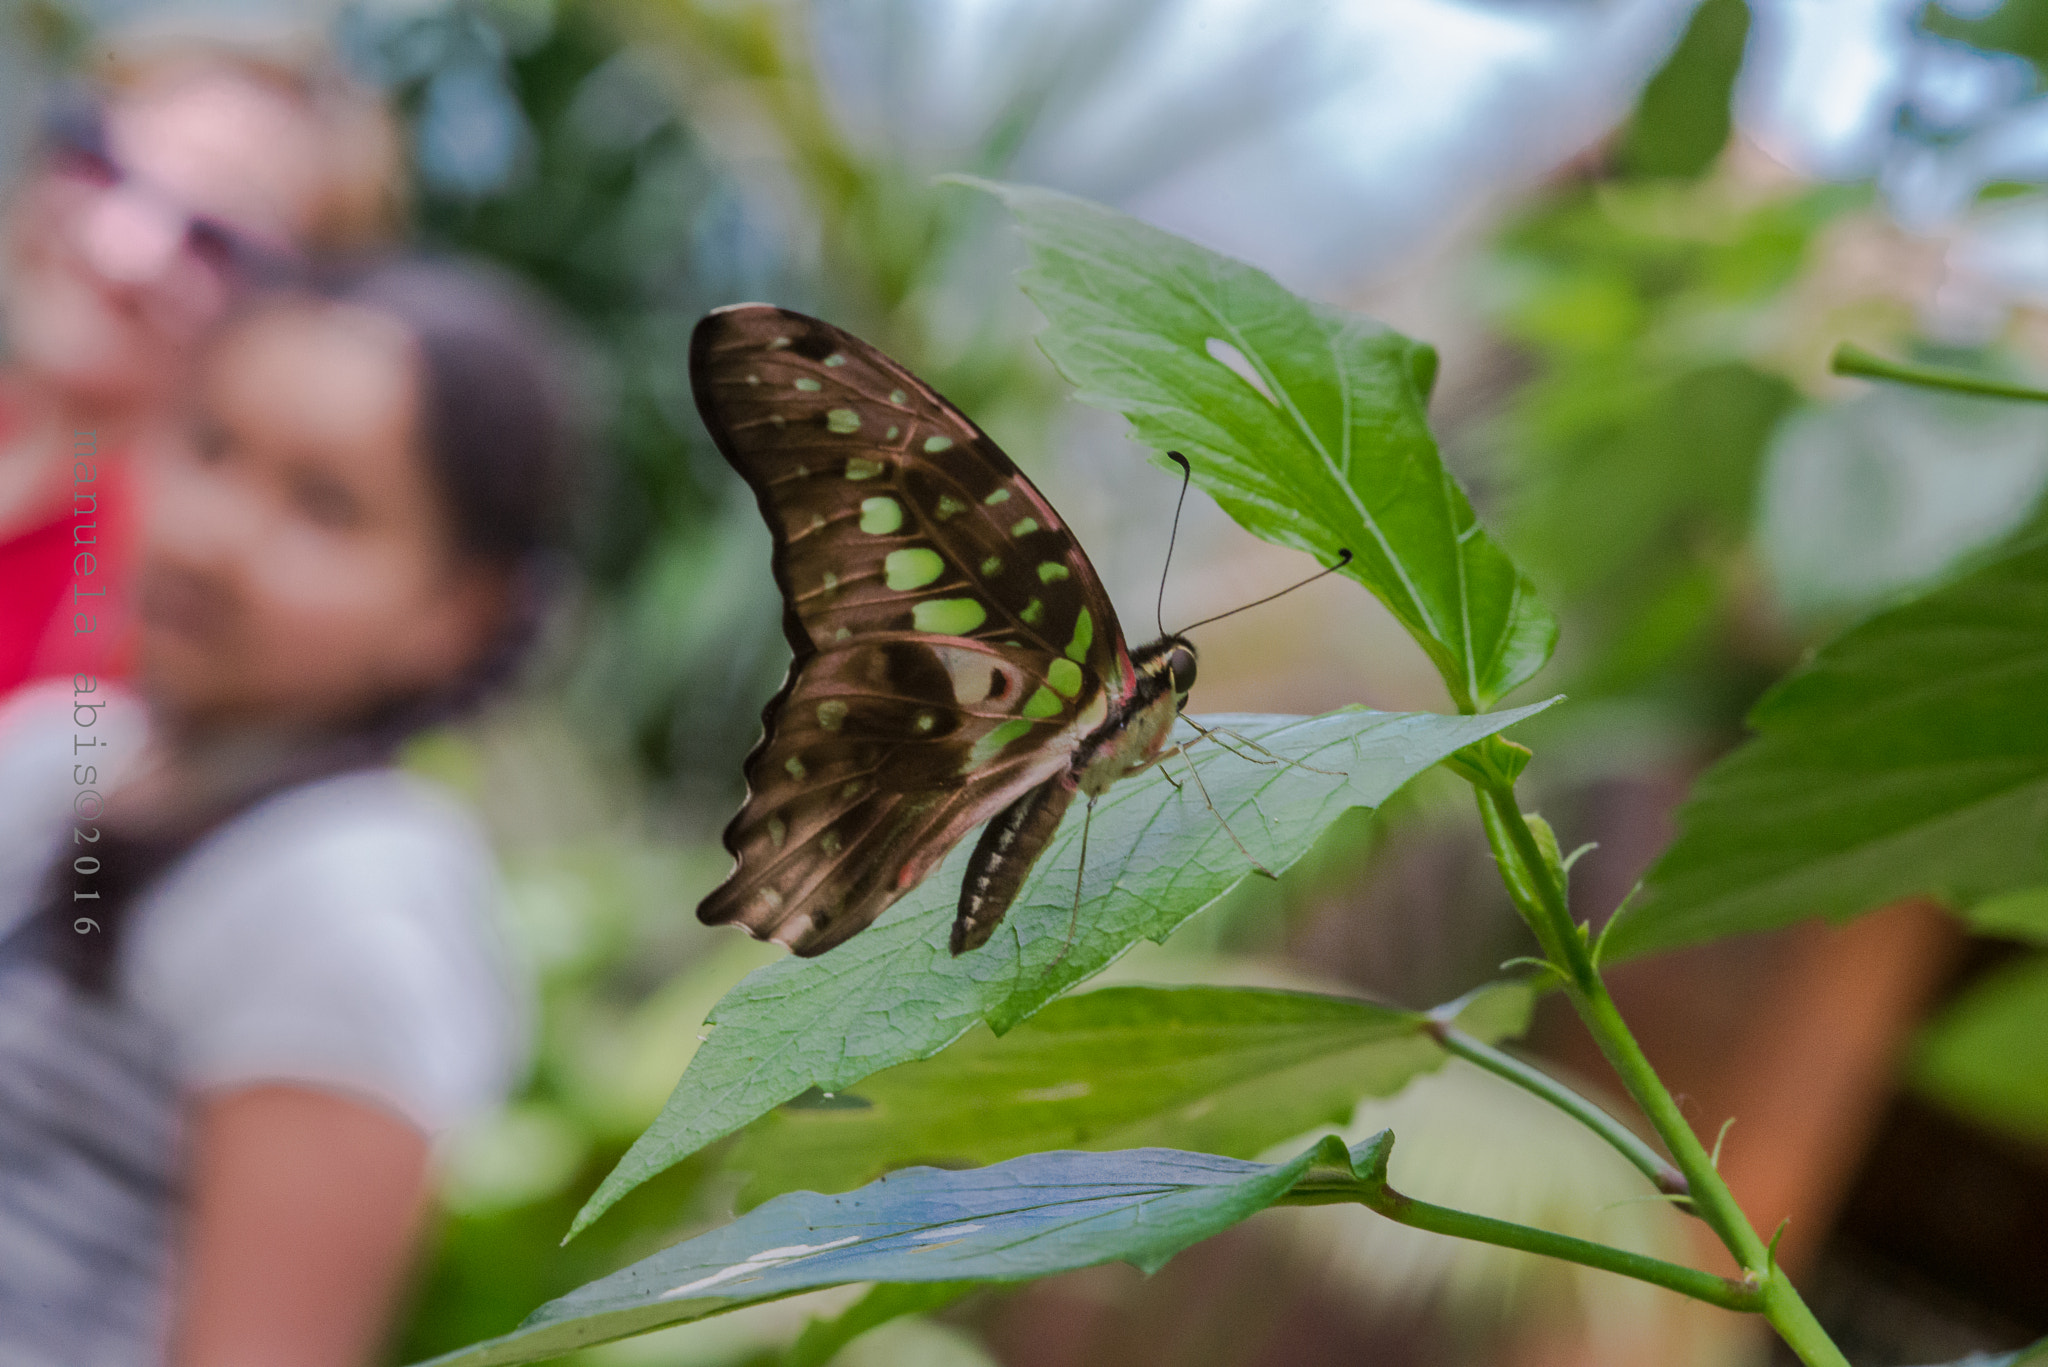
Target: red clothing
x: 65, y: 583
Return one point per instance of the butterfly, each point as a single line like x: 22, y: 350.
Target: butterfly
x: 955, y: 658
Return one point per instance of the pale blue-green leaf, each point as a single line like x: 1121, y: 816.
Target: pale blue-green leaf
x: 1027, y: 1218
x: 1156, y: 856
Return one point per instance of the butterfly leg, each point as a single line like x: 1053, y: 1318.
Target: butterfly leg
x: 1217, y: 733
x: 1214, y: 811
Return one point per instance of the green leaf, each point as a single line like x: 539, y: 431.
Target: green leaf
x: 1226, y: 1070
x: 1910, y: 757
x: 1681, y: 121
x: 1156, y: 856
x: 2021, y: 915
x: 1986, y: 1055
x: 1028, y: 1218
x: 1307, y: 423
x: 821, y: 1340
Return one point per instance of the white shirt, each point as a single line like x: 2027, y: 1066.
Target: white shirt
x: 340, y: 934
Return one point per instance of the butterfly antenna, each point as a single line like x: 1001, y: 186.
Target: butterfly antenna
x: 1343, y: 559
x: 1187, y: 472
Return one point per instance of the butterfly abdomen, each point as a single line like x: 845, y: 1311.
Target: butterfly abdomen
x: 1009, y: 846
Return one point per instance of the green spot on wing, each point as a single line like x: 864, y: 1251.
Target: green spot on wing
x: 989, y: 745
x: 1034, y: 613
x: 948, y: 505
x: 836, y: 358
x: 1024, y: 526
x: 843, y: 420
x: 992, y: 566
x: 897, y: 396
x: 1051, y: 572
x: 880, y: 516
x: 1084, y: 636
x: 1063, y: 675
x: 1043, y: 703
x: 913, y: 567
x: 807, y: 384
x: 999, y: 496
x: 948, y: 616
x: 831, y: 713
x: 934, y: 445
x: 860, y: 467
x: 796, y: 768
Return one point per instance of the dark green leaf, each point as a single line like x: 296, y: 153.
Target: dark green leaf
x: 1986, y: 1055
x: 1028, y: 1218
x: 1156, y: 856
x: 1307, y: 423
x: 1220, y: 1069
x: 1910, y: 757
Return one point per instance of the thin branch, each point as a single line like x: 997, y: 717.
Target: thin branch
x: 1459, y: 1224
x: 1653, y: 1165
x: 1851, y: 359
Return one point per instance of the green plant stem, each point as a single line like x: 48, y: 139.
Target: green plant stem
x: 1406, y: 1210
x: 1625, y: 1141
x: 1542, y: 899
x: 1851, y: 359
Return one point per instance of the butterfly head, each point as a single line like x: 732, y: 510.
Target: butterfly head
x: 1171, y: 661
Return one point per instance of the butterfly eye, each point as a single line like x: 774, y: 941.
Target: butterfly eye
x: 1180, y: 665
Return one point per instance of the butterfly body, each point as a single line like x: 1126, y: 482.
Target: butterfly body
x: 955, y: 658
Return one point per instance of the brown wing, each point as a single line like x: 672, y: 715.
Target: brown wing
x: 952, y: 644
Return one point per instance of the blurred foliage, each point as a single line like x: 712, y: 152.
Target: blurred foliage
x: 2015, y: 26
x: 1986, y: 1055
x: 1681, y: 121
x: 1630, y: 457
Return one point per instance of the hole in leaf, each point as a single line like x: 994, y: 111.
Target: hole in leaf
x: 1223, y: 353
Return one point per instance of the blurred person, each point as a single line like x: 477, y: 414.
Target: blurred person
x: 153, y: 198
x: 242, y: 993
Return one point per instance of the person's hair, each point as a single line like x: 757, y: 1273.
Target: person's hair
x: 497, y: 430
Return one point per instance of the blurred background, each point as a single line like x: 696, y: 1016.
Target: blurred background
x: 1635, y: 229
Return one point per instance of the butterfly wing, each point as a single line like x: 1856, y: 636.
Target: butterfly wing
x: 952, y: 645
